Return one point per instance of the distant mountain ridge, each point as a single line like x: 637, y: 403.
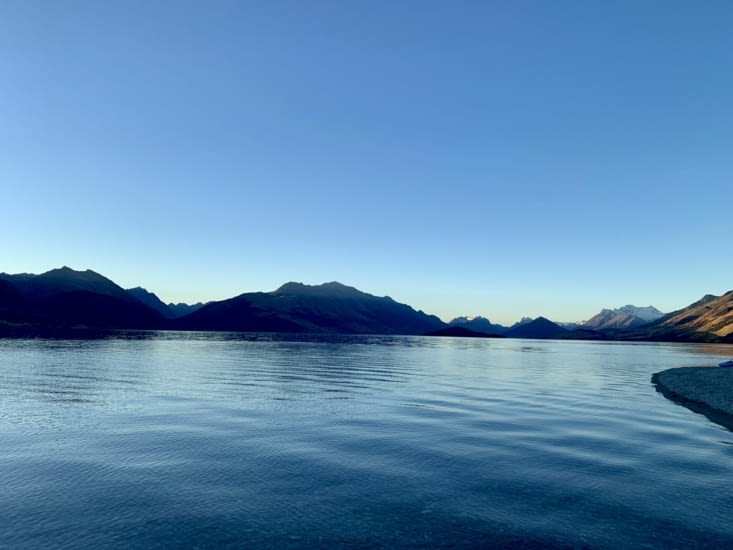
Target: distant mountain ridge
x: 169, y: 311
x: 295, y: 307
x: 625, y: 317
x: 537, y: 328
x: 478, y: 324
x: 64, y: 299
x: 646, y: 313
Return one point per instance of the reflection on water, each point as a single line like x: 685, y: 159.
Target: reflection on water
x: 198, y: 439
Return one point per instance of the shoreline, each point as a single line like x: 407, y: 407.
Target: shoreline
x: 704, y: 390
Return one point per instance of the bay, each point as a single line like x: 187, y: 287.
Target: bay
x: 204, y: 440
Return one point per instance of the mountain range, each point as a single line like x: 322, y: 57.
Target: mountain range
x: 624, y: 317
x: 710, y: 319
x: 65, y: 300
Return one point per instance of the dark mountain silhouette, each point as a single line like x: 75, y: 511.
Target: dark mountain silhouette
x: 66, y: 280
x: 11, y: 302
x: 295, y: 307
x: 9, y: 293
x: 463, y: 332
x: 478, y: 324
x: 64, y: 301
x: 65, y: 297
x: 180, y: 309
x: 169, y: 311
x: 522, y: 321
x: 537, y: 328
x: 151, y: 300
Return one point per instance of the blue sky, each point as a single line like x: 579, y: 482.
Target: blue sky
x: 468, y: 158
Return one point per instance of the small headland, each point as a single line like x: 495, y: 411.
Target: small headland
x: 704, y: 390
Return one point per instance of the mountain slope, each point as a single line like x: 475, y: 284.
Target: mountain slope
x: 647, y: 313
x: 180, y: 309
x: 64, y: 280
x: 612, y: 319
x: 710, y: 319
x: 330, y: 307
x: 625, y: 317
x: 538, y: 328
x: 64, y: 297
x: 478, y: 324
x: 151, y: 300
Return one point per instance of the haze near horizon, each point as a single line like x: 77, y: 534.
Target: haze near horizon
x: 503, y: 159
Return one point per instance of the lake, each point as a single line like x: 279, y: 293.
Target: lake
x: 213, y: 440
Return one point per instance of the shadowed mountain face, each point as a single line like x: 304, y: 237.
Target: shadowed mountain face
x: 64, y: 297
x: 478, y: 324
x: 538, y: 328
x: 462, y: 332
x: 151, y: 300
x: 169, y: 311
x: 330, y: 307
x: 180, y: 309
x: 66, y: 280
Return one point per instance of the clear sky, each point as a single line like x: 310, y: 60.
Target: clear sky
x: 504, y: 159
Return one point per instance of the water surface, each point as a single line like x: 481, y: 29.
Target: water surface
x: 203, y: 440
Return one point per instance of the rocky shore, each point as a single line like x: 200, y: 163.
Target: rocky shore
x: 705, y: 390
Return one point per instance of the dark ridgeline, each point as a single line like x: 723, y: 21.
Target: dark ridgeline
x: 463, y: 332
x: 180, y: 309
x: 68, y: 302
x: 151, y: 300
x: 478, y: 324
x: 537, y: 328
x: 295, y: 307
x: 64, y: 298
x: 169, y: 311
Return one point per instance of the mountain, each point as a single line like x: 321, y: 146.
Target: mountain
x: 295, y: 307
x: 478, y: 324
x: 180, y: 309
x: 612, y: 319
x: 625, y: 317
x: 65, y: 298
x: 151, y: 300
x: 710, y: 319
x: 537, y: 328
x: 65, y: 280
x: 648, y: 313
x: 169, y: 311
x: 462, y: 332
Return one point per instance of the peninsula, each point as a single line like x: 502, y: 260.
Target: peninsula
x: 705, y: 390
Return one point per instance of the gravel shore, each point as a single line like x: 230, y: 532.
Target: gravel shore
x: 705, y: 390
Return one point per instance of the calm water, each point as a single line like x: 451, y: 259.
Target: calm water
x: 204, y: 440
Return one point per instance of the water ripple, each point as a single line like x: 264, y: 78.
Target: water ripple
x: 208, y: 440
